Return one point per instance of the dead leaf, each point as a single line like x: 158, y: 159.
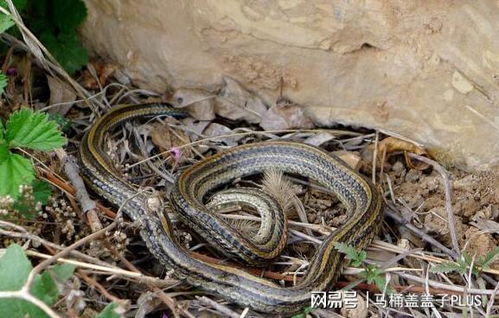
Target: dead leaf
x: 319, y: 139
x: 195, y: 127
x: 60, y: 92
x: 286, y: 116
x: 215, y: 129
x: 197, y: 102
x: 352, y: 159
x: 97, y: 73
x: 236, y: 103
x: 168, y: 140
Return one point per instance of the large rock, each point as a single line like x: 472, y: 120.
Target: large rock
x: 425, y: 70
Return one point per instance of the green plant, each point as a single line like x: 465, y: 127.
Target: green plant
x: 25, y: 129
x: 54, y: 23
x: 112, y: 310
x: 351, y: 253
x: 372, y: 273
x: 3, y: 82
x: 465, y: 262
x: 6, y: 21
x: 63, y: 122
x: 26, y: 293
x: 305, y: 312
x: 20, y: 297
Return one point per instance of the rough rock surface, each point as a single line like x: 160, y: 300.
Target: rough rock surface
x: 427, y: 71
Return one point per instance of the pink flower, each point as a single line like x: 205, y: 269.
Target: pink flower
x: 11, y: 71
x: 176, y: 153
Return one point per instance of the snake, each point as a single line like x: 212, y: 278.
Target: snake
x: 188, y: 197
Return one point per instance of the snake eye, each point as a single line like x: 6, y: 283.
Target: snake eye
x: 180, y: 100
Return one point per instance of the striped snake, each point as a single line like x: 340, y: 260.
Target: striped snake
x: 362, y: 200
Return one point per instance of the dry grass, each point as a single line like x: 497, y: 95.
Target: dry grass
x: 126, y: 273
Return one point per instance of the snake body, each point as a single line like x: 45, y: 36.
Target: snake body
x: 361, y: 199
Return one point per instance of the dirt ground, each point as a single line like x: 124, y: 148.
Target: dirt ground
x: 150, y: 154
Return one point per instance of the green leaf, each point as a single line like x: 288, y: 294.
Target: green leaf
x: 380, y: 282
x: 484, y: 262
x: 34, y: 130
x: 374, y: 274
x: 305, y: 311
x: 5, y: 23
x: 465, y: 259
x: 2, y: 131
x: 464, y: 262
x: 41, y: 191
x: 14, y: 270
x: 13, y: 261
x: 14, y: 172
x: 62, y: 272
x: 66, y: 49
x: 45, y: 287
x: 356, y: 257
x: 63, y: 122
x: 371, y: 272
x: 446, y: 267
x: 19, y: 4
x: 4, y: 151
x: 110, y: 311
x: 68, y: 14
x: 55, y: 23
x: 39, y: 26
x: 3, y: 77
x: 361, y: 256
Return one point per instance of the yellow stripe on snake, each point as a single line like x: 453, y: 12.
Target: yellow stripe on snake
x: 361, y: 199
